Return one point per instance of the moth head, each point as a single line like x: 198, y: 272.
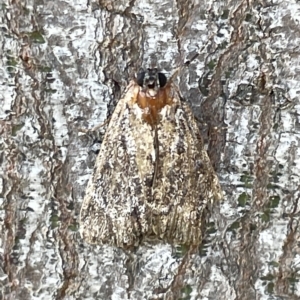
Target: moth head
x: 151, y: 79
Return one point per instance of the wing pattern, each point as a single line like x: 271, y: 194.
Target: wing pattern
x: 125, y: 203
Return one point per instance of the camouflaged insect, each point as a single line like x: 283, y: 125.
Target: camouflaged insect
x: 152, y: 178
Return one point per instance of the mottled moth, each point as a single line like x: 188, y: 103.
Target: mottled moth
x: 152, y: 179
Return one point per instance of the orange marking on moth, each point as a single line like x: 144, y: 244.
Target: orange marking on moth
x: 152, y: 105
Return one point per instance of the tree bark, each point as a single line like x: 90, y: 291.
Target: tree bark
x: 65, y: 64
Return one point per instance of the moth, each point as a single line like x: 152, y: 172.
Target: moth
x: 152, y: 179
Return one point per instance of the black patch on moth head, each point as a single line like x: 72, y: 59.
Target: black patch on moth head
x: 151, y: 78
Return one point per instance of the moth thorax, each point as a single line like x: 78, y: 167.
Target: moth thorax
x: 153, y: 94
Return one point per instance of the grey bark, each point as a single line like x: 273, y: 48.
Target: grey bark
x: 64, y: 65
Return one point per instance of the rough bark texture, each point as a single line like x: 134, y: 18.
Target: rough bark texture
x: 64, y: 65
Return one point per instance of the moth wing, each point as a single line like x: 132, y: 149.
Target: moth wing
x: 186, y: 180
x: 125, y: 202
x: 114, y: 205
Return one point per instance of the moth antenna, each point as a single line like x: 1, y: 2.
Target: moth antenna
x: 186, y: 64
